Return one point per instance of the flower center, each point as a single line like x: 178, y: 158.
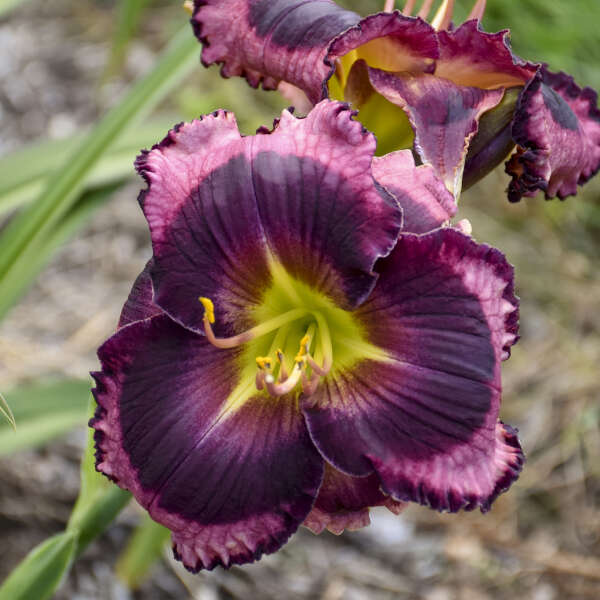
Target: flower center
x: 300, y: 337
x: 273, y: 374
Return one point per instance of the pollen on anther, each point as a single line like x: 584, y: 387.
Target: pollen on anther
x: 209, y: 308
x: 263, y: 362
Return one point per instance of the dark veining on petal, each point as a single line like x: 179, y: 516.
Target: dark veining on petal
x: 315, y: 230
x: 560, y: 110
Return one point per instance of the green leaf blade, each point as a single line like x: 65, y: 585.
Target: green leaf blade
x: 43, y: 411
x: 7, y: 413
x: 144, y: 548
x: 42, y: 570
x: 34, y: 225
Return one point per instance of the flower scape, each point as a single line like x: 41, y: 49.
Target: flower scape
x: 310, y: 338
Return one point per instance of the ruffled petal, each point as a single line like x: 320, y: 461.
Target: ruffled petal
x: 268, y: 41
x: 343, y: 502
x: 426, y: 203
x: 388, y: 41
x: 386, y: 120
x: 231, y: 473
x: 444, y: 117
x: 221, y: 208
x: 426, y: 419
x: 471, y: 57
x: 557, y: 131
x: 140, y: 304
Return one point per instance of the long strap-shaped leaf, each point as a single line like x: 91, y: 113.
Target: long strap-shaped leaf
x: 42, y: 412
x: 41, y: 571
x: 28, y: 230
x: 25, y: 173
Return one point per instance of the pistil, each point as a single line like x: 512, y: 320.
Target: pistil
x: 250, y: 334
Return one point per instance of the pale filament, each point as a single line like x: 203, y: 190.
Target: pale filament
x: 389, y: 5
x: 443, y: 17
x: 283, y: 374
x: 279, y: 389
x: 424, y: 12
x: 477, y: 10
x: 408, y: 7
x: 260, y: 379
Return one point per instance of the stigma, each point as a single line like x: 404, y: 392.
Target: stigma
x: 273, y: 375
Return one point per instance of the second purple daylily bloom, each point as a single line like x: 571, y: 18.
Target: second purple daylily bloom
x: 458, y: 96
x: 293, y: 353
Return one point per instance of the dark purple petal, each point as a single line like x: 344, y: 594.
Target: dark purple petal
x: 139, y: 304
x: 343, y: 502
x: 443, y: 115
x: 232, y: 478
x: 220, y: 207
x: 267, y: 41
x: 472, y: 57
x: 557, y: 131
x: 425, y: 201
x: 426, y: 420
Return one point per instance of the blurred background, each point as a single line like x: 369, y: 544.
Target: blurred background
x: 63, y: 65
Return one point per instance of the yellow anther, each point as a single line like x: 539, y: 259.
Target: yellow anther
x: 263, y: 362
x: 209, y: 308
x: 304, y: 341
x: 188, y: 6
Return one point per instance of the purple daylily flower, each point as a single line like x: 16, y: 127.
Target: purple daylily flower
x: 291, y: 354
x: 458, y: 96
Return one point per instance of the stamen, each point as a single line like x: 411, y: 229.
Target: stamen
x: 279, y: 389
x: 477, y: 10
x: 260, y: 379
x: 188, y: 6
x: 316, y: 367
x: 408, y: 7
x: 425, y: 9
x: 209, y: 308
x: 283, y: 374
x: 246, y: 336
x: 309, y: 386
x: 389, y: 5
x: 443, y: 17
x: 264, y: 363
x: 304, y: 344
